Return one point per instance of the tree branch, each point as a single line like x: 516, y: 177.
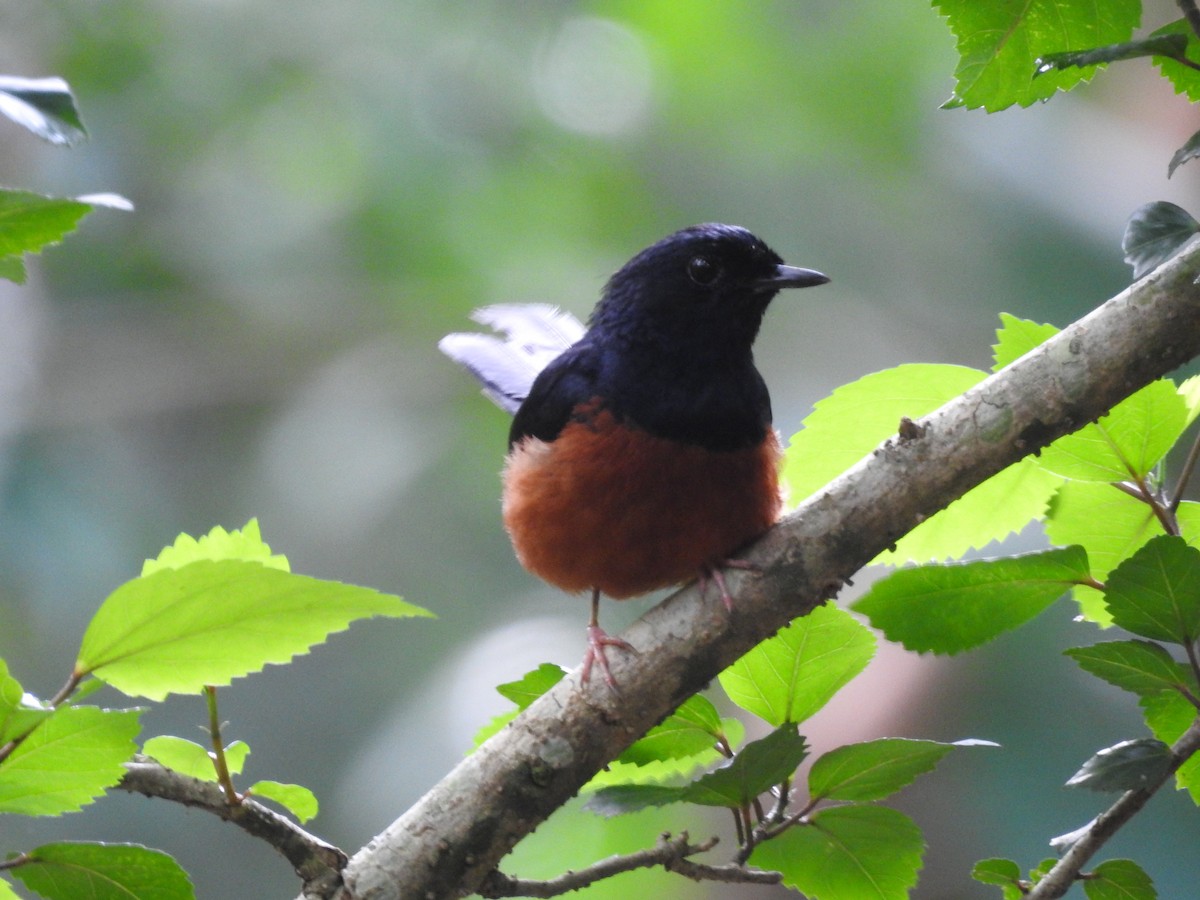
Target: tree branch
x: 317, y: 863
x: 448, y: 842
x: 670, y: 853
x: 1065, y: 872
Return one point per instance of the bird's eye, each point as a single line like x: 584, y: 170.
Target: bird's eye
x: 703, y: 270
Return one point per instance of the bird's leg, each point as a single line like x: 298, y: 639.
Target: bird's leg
x: 714, y: 572
x: 598, y: 639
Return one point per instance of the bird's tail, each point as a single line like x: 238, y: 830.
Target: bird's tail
x: 533, y: 335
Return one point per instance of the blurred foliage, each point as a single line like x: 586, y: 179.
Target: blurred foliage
x: 323, y: 191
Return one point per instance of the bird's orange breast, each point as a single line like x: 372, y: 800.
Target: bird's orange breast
x: 609, y: 506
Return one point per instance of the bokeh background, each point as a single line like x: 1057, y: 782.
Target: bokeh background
x: 323, y: 189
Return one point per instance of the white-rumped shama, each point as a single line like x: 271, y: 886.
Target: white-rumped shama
x: 641, y: 451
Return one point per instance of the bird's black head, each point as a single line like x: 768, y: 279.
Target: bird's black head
x: 708, y: 285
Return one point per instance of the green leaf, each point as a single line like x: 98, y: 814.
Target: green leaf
x: 1186, y: 80
x: 1125, y: 444
x: 1172, y: 46
x: 999, y: 45
x: 628, y: 798
x: 693, y: 728
x: 790, y: 676
x: 875, y: 769
x: 295, y: 798
x: 1109, y: 523
x: 1138, y: 666
x: 1125, y: 766
x: 104, y: 872
x: 68, y: 761
x: 1119, y: 879
x: 1188, y: 151
x: 848, y: 853
x: 951, y: 608
x: 1168, y: 716
x: 1002, y: 872
x: 662, y: 770
x: 1154, y: 233
x: 1016, y: 337
x: 1189, y: 390
x: 43, y: 105
x: 1156, y: 592
x: 20, y: 712
x: 189, y: 758
x: 29, y: 222
x: 176, y: 630
x: 218, y: 545
x: 756, y: 768
x: 521, y: 692
x: 7, y: 892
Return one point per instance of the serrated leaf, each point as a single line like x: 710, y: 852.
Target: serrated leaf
x: 1138, y: 666
x: 1188, y: 151
x: 853, y: 420
x: 1154, y: 233
x: 999, y: 45
x: 951, y: 608
x: 206, y: 623
x: 1156, y: 592
x: 20, y: 712
x: 756, y: 768
x: 68, y: 761
x: 1125, y: 766
x: 7, y: 892
x: 848, y: 853
x: 45, y: 106
x: 627, y: 798
x: 1125, y: 444
x: 104, y: 872
x: 192, y: 759
x: 663, y: 770
x: 1002, y: 872
x: 693, y: 728
x: 1172, y: 46
x: 30, y: 222
x: 1168, y: 716
x: 790, y: 676
x: 1185, y: 79
x: 1109, y: 523
x: 873, y: 770
x: 1015, y: 337
x: 1189, y: 390
x: 295, y: 798
x: 522, y: 692
x: 240, y: 544
x: 1119, y: 879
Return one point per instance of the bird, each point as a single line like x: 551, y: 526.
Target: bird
x: 642, y: 452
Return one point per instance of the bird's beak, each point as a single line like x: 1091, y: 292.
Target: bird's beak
x: 792, y: 277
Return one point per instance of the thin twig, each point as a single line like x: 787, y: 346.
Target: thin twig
x: 1064, y: 874
x: 220, y: 763
x: 314, y: 860
x: 1189, y: 466
x: 670, y: 853
x: 1191, y: 13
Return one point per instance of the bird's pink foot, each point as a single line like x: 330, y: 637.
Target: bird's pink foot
x: 714, y: 572
x: 598, y: 640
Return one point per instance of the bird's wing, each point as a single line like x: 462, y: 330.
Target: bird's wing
x: 534, y: 335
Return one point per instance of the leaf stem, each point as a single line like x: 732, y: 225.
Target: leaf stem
x: 232, y: 797
x: 1185, y: 475
x: 67, y: 689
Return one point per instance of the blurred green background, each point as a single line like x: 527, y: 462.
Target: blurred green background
x: 323, y: 189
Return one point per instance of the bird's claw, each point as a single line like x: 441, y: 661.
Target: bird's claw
x: 598, y: 639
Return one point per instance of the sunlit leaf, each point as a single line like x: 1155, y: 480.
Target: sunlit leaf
x: 522, y: 692
x: 999, y: 45
x: 1168, y: 716
x: 660, y: 771
x: 951, y: 608
x: 1156, y: 592
x: 68, y: 761
x: 240, y: 544
x: 190, y: 758
x: 691, y: 729
x: 848, y: 853
x: 873, y: 770
x: 790, y: 676
x: 1139, y: 763
x: 19, y: 712
x: 30, y: 222
x: 104, y: 872
x: 176, y: 630
x: 1015, y: 337
x: 43, y: 105
x: 1185, y: 79
x: 295, y: 798
x: 1002, y: 872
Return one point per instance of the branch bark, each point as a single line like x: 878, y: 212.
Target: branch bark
x: 448, y: 842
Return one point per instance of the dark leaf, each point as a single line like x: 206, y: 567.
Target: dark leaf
x: 1154, y: 233
x: 44, y: 106
x: 756, y: 768
x: 1190, y: 150
x: 1169, y: 45
x: 1124, y: 766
